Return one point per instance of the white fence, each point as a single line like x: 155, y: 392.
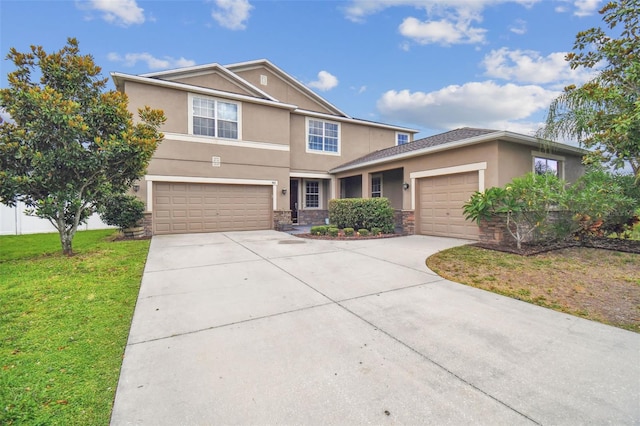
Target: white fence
x: 13, y: 221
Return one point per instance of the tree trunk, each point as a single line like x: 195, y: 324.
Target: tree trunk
x: 66, y: 241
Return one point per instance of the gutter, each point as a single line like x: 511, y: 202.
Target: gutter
x: 513, y: 137
x: 118, y: 78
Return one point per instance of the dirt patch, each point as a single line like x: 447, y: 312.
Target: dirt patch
x: 594, y: 283
x: 529, y: 249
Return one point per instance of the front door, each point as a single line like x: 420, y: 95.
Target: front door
x: 293, y: 200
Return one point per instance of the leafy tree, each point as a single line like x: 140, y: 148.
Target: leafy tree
x: 600, y: 204
x: 604, y: 113
x: 70, y: 144
x: 525, y: 204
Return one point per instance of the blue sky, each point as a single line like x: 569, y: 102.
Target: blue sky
x: 428, y: 65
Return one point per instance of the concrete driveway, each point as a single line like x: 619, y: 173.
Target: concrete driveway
x: 267, y: 328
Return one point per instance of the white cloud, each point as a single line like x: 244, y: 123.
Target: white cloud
x: 586, y: 7
x: 232, y: 14
x: 447, y: 21
x: 526, y: 66
x: 442, y: 32
x: 581, y: 7
x: 359, y: 90
x: 153, y: 63
x: 325, y: 81
x: 519, y: 27
x: 358, y: 10
x: 5, y: 117
x: 476, y: 104
x: 119, y: 12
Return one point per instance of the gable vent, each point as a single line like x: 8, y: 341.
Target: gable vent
x: 263, y: 79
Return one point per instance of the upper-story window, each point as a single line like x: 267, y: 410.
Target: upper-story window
x: 548, y: 163
x: 214, y: 117
x: 323, y: 136
x: 402, y: 138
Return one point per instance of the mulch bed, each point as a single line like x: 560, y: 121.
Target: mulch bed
x: 529, y: 249
x: 345, y: 238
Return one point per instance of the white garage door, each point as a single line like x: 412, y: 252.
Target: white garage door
x: 440, y: 201
x: 180, y: 208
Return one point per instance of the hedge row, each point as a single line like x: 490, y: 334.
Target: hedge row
x: 362, y: 213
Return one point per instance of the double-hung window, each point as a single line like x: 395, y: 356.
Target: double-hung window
x: 215, y: 118
x: 402, y: 138
x: 312, y: 194
x: 323, y: 136
x: 376, y: 186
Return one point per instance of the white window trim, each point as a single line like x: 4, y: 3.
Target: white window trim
x: 559, y: 158
x: 403, y: 133
x: 376, y: 175
x: 193, y: 179
x: 306, y: 137
x: 304, y: 194
x: 190, y: 116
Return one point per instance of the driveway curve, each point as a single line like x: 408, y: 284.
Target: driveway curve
x: 263, y: 327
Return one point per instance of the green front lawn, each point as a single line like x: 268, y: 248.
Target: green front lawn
x: 64, y: 324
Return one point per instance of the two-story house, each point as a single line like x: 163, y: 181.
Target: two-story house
x: 249, y: 147
x: 246, y: 146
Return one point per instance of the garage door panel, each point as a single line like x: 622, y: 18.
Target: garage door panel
x: 440, y: 205
x: 184, y: 208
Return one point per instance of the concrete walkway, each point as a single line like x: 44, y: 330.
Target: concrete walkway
x: 267, y: 328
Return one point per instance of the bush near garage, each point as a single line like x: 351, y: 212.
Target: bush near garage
x: 542, y: 208
x: 359, y: 213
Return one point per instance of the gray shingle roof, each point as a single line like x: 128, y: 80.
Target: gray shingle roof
x: 440, y: 139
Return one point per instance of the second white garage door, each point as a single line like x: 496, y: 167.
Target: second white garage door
x: 440, y: 201
x: 180, y: 208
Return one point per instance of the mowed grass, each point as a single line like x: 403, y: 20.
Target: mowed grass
x: 64, y: 324
x: 600, y: 285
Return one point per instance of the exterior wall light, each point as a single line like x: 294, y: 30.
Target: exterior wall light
x: 136, y: 188
x: 405, y: 186
x: 284, y: 191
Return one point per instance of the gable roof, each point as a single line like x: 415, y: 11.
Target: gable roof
x: 445, y: 141
x: 120, y: 78
x: 174, y: 74
x: 265, y: 63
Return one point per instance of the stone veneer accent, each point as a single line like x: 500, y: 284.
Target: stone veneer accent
x: 147, y: 223
x: 408, y: 218
x: 312, y: 217
x: 281, y: 220
x: 492, y: 231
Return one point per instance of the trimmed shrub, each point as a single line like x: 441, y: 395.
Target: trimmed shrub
x: 333, y: 232
x: 363, y: 232
x: 121, y: 210
x: 362, y: 213
x: 602, y: 203
x: 319, y: 230
x: 349, y: 232
x: 376, y: 231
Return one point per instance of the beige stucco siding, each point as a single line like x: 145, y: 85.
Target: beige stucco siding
x: 215, y: 81
x: 229, y: 154
x: 261, y: 123
x: 181, y: 158
x: 355, y: 141
x: 517, y: 160
x: 172, y: 102
x: 486, y: 152
x: 282, y: 90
